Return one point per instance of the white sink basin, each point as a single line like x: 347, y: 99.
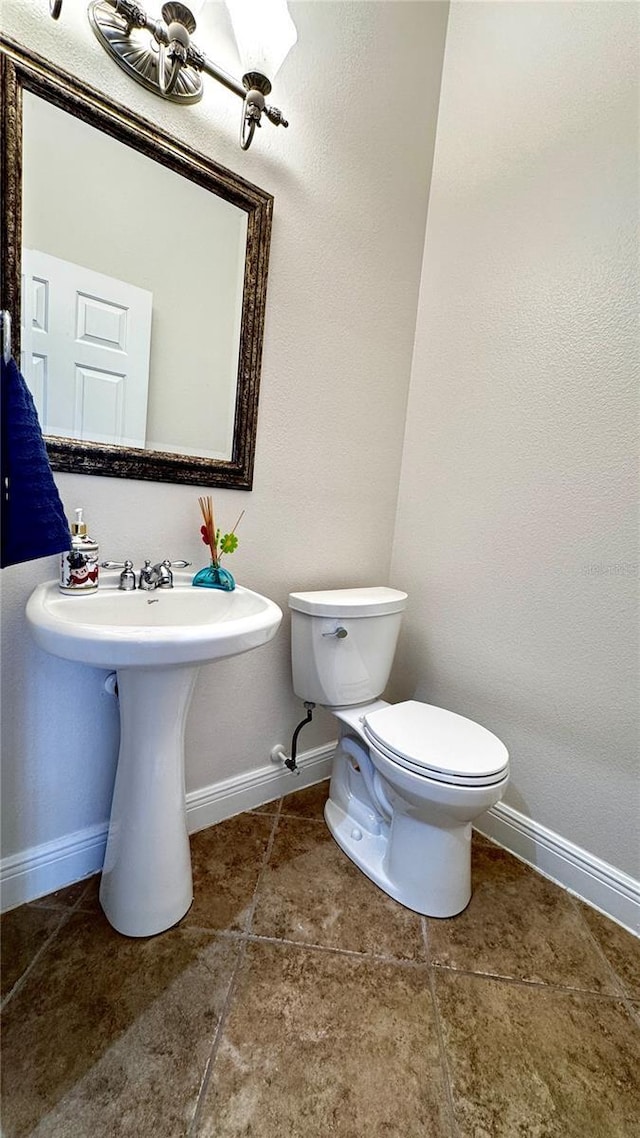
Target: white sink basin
x: 183, y: 625
x: 156, y: 641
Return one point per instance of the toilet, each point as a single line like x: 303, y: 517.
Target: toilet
x: 408, y: 778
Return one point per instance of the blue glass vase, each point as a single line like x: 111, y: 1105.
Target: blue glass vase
x: 214, y: 577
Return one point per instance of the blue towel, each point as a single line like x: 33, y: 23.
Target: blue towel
x: 33, y: 520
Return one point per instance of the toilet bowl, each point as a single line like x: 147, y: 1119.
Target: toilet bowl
x: 409, y: 778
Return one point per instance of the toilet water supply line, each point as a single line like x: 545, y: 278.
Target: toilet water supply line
x: 370, y: 776
x: 278, y: 753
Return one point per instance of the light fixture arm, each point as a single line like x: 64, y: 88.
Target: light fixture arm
x: 161, y: 55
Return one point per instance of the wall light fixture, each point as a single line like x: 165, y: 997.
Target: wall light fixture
x: 160, y: 54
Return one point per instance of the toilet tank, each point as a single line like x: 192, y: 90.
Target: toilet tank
x: 344, y: 670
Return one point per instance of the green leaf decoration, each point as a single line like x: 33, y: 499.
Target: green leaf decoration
x: 229, y: 543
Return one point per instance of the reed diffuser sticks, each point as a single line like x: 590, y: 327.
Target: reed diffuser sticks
x: 218, y: 544
x: 208, y: 530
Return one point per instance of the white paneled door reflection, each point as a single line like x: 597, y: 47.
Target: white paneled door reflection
x: 86, y: 342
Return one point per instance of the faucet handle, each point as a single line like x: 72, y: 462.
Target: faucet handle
x: 127, y: 577
x: 166, y: 576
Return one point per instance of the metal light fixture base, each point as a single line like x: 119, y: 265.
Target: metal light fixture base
x: 138, y: 55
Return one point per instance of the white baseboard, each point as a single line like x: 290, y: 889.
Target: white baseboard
x: 243, y: 792
x: 41, y: 870
x: 601, y: 885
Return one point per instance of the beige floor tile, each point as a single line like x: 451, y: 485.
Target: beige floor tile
x: 226, y: 861
x: 23, y: 932
x: 312, y: 893
x: 620, y: 947
x: 307, y: 803
x: 110, y: 1036
x: 518, y: 924
x: 538, y: 1063
x: 319, y: 1045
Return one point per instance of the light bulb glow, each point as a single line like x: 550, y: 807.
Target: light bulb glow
x: 265, y: 33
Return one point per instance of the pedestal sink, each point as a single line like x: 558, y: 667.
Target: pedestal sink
x: 156, y: 641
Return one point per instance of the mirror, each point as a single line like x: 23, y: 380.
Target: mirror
x: 138, y: 268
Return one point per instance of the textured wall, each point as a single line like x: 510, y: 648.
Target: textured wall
x: 350, y: 179
x: 516, y: 532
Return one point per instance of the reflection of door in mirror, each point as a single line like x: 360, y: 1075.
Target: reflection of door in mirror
x: 85, y: 342
x: 95, y: 203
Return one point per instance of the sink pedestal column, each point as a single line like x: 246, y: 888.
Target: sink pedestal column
x: 146, y: 881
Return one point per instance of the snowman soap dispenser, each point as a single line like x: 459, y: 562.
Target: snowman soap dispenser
x: 79, y: 565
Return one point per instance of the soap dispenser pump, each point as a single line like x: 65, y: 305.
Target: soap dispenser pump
x: 79, y: 565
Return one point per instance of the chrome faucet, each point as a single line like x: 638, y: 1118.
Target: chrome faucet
x: 151, y: 577
x: 159, y: 576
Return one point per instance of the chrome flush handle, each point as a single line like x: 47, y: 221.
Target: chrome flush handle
x: 339, y: 632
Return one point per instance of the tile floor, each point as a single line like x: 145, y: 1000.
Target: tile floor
x: 295, y: 999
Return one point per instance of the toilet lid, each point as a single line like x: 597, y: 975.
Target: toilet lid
x: 437, y: 743
x: 377, y: 601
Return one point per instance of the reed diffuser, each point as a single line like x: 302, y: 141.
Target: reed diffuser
x: 213, y: 576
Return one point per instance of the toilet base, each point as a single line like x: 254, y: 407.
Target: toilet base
x: 436, y: 881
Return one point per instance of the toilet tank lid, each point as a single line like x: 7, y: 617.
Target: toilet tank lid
x: 349, y: 602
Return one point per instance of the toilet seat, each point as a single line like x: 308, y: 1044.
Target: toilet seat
x: 437, y: 744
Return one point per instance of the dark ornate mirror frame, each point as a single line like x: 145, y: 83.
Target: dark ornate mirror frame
x: 21, y: 70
